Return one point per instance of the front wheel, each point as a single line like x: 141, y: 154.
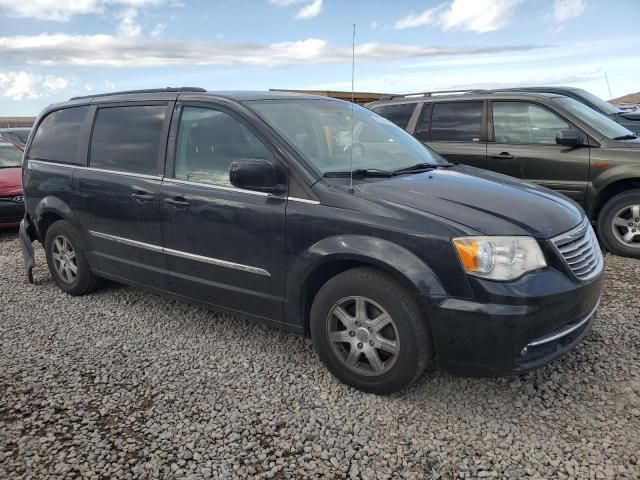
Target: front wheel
x: 370, y: 332
x: 619, y: 224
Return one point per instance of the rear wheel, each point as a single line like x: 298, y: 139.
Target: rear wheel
x: 67, y: 260
x: 619, y: 224
x: 370, y: 331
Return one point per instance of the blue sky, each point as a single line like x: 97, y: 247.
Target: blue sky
x: 53, y: 49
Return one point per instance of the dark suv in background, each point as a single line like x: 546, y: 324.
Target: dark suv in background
x: 629, y: 120
x: 549, y: 139
x: 246, y: 202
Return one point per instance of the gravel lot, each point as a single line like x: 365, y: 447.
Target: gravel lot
x: 126, y: 384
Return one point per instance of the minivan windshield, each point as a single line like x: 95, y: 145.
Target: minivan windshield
x: 10, y: 156
x: 328, y: 136
x: 594, y: 119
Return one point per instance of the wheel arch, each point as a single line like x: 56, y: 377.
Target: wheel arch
x: 50, y: 210
x: 334, y: 255
x: 609, y: 190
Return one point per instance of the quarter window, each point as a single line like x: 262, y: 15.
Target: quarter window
x: 208, y: 141
x: 57, y: 137
x: 522, y: 122
x: 456, y: 122
x: 400, y: 114
x: 127, y: 139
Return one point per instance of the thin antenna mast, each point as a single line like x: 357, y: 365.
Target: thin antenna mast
x: 608, y: 86
x: 353, y: 70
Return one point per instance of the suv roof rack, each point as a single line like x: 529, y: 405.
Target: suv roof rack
x: 148, y: 90
x: 435, y: 92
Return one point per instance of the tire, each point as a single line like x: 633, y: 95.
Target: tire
x: 61, y: 237
x: 621, y: 216
x: 338, y: 345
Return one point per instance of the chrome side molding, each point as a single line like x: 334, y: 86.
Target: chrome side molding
x: 178, y: 253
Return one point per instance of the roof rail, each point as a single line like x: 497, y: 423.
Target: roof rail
x: 435, y: 92
x: 148, y: 90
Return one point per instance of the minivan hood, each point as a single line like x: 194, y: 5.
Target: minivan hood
x: 484, y: 201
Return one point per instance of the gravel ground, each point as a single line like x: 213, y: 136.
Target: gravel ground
x: 126, y: 384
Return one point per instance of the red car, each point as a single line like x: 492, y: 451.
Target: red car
x: 11, y: 199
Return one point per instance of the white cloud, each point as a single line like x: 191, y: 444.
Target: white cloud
x: 473, y: 15
x: 158, y: 30
x: 310, y: 10
x: 128, y: 26
x: 25, y: 85
x: 114, y: 51
x: 63, y: 10
x: 374, y: 25
x: 565, y: 10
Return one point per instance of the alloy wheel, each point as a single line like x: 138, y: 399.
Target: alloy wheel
x: 626, y: 226
x: 363, y: 336
x: 64, y: 259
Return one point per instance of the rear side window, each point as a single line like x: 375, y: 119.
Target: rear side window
x: 127, y: 139
x: 400, y: 114
x: 456, y: 122
x: 57, y: 137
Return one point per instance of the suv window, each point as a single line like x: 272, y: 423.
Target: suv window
x: 208, y: 141
x: 422, y: 129
x: 522, y: 122
x: 400, y: 113
x: 456, y: 122
x: 57, y: 136
x: 127, y: 139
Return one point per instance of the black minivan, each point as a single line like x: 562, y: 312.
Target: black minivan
x: 314, y: 215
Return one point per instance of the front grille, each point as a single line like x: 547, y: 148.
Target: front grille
x: 580, y: 250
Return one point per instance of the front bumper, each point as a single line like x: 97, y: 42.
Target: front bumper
x: 523, y: 325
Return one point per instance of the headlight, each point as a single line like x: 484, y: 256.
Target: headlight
x: 499, y: 258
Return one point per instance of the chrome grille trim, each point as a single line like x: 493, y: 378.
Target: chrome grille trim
x: 580, y: 251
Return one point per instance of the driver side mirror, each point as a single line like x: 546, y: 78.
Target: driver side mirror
x: 570, y: 138
x: 257, y: 174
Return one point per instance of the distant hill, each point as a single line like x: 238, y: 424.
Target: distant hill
x: 8, y: 122
x: 630, y: 98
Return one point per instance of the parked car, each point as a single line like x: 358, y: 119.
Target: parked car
x: 11, y: 200
x: 549, y: 139
x: 628, y: 119
x: 17, y: 136
x: 246, y: 203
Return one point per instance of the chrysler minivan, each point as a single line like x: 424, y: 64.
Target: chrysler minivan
x: 317, y: 216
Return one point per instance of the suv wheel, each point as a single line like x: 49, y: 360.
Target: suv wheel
x: 619, y: 224
x: 67, y: 260
x: 370, y: 332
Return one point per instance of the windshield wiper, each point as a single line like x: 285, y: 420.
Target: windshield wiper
x: 626, y: 137
x: 421, y: 167
x: 359, y: 172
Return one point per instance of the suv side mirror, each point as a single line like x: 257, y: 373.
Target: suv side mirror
x: 256, y: 174
x: 570, y: 138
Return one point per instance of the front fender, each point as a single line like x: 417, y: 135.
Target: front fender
x: 606, y: 178
x: 373, y: 251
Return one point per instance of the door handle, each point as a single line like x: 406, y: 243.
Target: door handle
x: 503, y: 156
x: 143, y: 197
x: 177, y: 202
